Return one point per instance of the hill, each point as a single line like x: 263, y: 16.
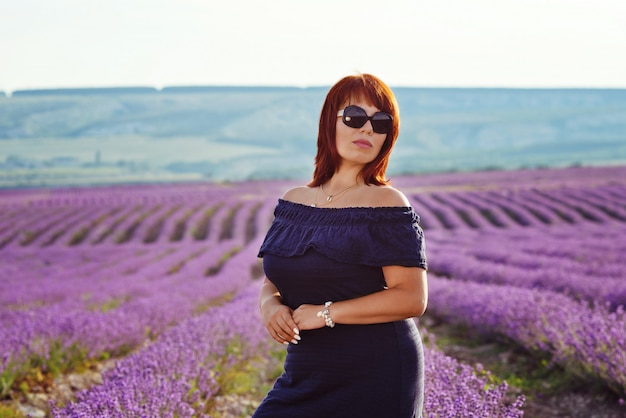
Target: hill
x: 87, y: 136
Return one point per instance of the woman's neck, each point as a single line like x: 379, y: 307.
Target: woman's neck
x: 345, y: 176
x: 340, y: 182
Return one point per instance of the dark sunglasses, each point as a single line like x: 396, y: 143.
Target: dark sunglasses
x: 355, y: 117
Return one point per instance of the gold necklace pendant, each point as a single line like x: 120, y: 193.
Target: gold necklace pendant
x: 329, y: 197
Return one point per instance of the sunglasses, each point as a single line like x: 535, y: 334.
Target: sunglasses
x: 355, y: 117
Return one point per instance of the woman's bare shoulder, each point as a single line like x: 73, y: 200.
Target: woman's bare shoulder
x: 387, y: 196
x: 300, y: 194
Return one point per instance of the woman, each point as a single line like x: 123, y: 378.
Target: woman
x: 346, y: 270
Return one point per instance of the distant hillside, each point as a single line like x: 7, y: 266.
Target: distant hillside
x: 143, y: 134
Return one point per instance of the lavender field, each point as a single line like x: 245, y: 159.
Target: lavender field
x: 160, y: 282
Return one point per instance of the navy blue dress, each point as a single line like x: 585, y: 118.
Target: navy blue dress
x: 313, y: 255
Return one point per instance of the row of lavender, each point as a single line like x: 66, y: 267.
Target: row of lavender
x: 124, y: 215
x: 179, y: 221
x: 58, y: 288
x: 552, y: 280
x: 111, y: 299
x: 113, y: 296
x: 584, y: 262
x: 559, y: 290
x: 110, y: 216
x: 523, y: 208
x: 176, y: 376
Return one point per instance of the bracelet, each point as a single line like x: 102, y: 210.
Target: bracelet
x: 326, y: 314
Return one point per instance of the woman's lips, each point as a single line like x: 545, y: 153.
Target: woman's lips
x: 362, y: 143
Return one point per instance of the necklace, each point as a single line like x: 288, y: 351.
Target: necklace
x: 330, y: 197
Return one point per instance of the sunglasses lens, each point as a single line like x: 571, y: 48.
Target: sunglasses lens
x: 381, y: 123
x: 354, y: 117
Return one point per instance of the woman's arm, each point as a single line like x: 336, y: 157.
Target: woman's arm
x: 277, y: 317
x: 406, y: 296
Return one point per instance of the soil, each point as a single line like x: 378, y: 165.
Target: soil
x: 61, y: 389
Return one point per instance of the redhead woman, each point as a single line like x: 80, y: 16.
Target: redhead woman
x: 346, y: 272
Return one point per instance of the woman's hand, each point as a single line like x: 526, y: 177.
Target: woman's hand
x: 279, y: 323
x: 276, y: 316
x: 306, y: 317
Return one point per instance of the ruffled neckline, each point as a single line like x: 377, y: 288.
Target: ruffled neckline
x: 305, y: 214
x: 375, y: 236
x: 343, y: 208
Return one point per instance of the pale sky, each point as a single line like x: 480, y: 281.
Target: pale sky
x: 449, y: 43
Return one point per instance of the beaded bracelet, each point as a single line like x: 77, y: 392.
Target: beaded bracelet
x: 326, y: 314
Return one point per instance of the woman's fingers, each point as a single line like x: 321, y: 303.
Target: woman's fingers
x: 279, y: 335
x: 288, y: 327
x: 283, y: 328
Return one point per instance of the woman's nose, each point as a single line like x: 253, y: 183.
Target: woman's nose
x: 367, y: 128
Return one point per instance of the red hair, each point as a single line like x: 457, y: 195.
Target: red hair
x: 361, y: 87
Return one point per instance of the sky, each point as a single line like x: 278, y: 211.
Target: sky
x: 435, y: 43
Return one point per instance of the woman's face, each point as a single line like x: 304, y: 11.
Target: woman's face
x: 358, y: 146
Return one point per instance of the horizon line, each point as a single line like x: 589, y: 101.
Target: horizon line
x: 157, y: 89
